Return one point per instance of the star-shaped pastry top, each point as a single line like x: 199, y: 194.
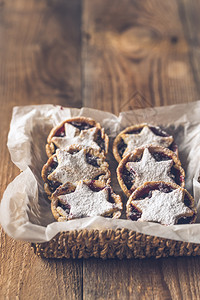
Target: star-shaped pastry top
x: 148, y: 169
x: 164, y: 208
x: 84, y: 202
x: 73, y: 167
x: 85, y: 138
x: 71, y: 131
x: 144, y: 138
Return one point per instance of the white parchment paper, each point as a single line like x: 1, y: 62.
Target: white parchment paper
x: 25, y: 212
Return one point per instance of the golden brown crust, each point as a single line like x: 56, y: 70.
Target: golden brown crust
x: 51, y: 148
x: 63, y: 189
x: 60, y: 215
x: 154, y: 185
x: 44, y: 174
x: 136, y: 127
x: 104, y: 167
x: 137, y: 153
x: 105, y: 137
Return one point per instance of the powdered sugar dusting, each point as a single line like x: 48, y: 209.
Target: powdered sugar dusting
x: 84, y: 202
x: 71, y: 131
x: 164, y: 208
x: 73, y: 167
x: 148, y: 169
x: 85, y: 138
x: 144, y: 138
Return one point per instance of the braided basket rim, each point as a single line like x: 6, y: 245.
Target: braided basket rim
x: 109, y: 243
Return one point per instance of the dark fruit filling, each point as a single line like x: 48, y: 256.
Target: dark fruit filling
x: 60, y: 132
x: 63, y: 189
x: 97, y: 177
x: 121, y: 147
x: 52, y: 184
x: 74, y: 151
x: 65, y: 207
x: 92, y: 160
x: 110, y: 199
x: 128, y: 178
x: 81, y: 125
x: 174, y: 173
x: 159, y: 156
x: 135, y: 214
x: 100, y: 141
x: 135, y: 131
x: 155, y: 130
x: 164, y: 188
x: 52, y: 166
x: 186, y: 220
x: 158, y: 131
x: 147, y: 191
x: 187, y: 201
x: 176, y: 176
x: 94, y: 188
x: 173, y: 147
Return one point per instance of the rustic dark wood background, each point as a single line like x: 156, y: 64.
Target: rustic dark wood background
x: 110, y: 55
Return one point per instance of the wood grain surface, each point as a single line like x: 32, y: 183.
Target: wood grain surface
x: 140, y: 53
x: 40, y: 62
x: 111, y: 55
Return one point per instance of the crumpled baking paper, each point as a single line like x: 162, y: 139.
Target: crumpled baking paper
x: 25, y: 212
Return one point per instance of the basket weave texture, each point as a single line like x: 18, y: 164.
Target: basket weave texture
x: 120, y: 243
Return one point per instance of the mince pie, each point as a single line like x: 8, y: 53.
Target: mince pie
x: 86, y: 199
x: 149, y: 164
x: 161, y: 202
x: 77, y: 131
x: 141, y: 135
x: 74, y: 164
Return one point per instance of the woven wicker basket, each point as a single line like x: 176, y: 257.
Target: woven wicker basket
x: 119, y: 243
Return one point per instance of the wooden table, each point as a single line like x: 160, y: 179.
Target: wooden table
x: 110, y: 55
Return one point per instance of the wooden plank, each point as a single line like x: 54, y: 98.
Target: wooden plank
x: 138, y: 54
x: 190, y: 23
x: 26, y: 276
x: 40, y: 63
x: 40, y: 57
x: 169, y: 278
